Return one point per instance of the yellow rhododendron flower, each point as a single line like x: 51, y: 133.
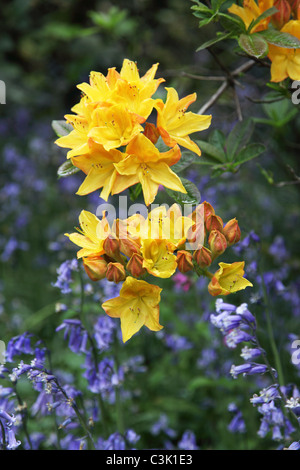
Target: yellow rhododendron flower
x: 114, y: 126
x: 137, y: 305
x: 175, y: 124
x: 158, y: 259
x: 146, y: 165
x: 286, y: 62
x: 109, y: 116
x: 160, y: 224
x: 228, y: 279
x: 99, y: 167
x: 92, y: 236
x: 250, y: 11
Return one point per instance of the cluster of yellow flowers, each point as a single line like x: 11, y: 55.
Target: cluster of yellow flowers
x: 284, y: 62
x: 109, y: 116
x: 157, y: 245
x: 113, y: 143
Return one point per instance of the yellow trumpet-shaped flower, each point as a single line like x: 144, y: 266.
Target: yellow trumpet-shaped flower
x: 146, y: 165
x: 250, y: 11
x: 175, y: 124
x: 228, y: 279
x: 158, y: 259
x: 99, y: 167
x: 114, y: 126
x: 286, y: 62
x: 92, y: 236
x: 167, y: 225
x: 77, y: 139
x: 137, y: 305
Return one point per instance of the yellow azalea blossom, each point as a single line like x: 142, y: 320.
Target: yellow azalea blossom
x: 228, y: 279
x: 175, y: 124
x: 146, y: 165
x: 99, y: 167
x: 126, y: 87
x: 114, y: 126
x: 77, y: 139
x: 137, y: 305
x: 158, y: 259
x: 92, y: 236
x: 250, y: 11
x: 286, y: 62
x: 167, y: 225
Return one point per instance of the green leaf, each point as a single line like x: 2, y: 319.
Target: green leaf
x: 216, y: 4
x: 232, y: 23
x: 215, y: 40
x: 254, y: 45
x: 280, y: 39
x: 185, y: 161
x: 238, y: 137
x: 61, y: 128
x: 249, y: 152
x: 191, y: 197
x: 211, y: 151
x: 67, y: 169
x: 265, y: 14
x: 217, y: 138
x: 135, y: 191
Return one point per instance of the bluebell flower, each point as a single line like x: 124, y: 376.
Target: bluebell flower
x: 248, y: 369
x: 188, y: 441
x: 294, y: 446
x: 114, y: 442
x: 266, y: 395
x: 64, y: 278
x: 8, y: 425
x: 237, y: 424
x: 162, y: 425
x: 77, y: 335
x: 104, y: 332
x: 19, y: 345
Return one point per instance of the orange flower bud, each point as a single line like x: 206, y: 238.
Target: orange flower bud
x: 128, y: 246
x: 208, y: 209
x: 135, y: 265
x: 203, y: 257
x: 232, y: 232
x: 151, y: 132
x: 115, y: 272
x: 283, y: 15
x: 112, y: 248
x: 217, y: 243
x: 184, y: 261
x: 95, y: 267
x: 214, y: 222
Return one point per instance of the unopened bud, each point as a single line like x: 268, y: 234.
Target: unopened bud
x: 214, y: 222
x: 135, y: 265
x: 232, y: 232
x: 112, y: 248
x: 115, y: 272
x: 283, y: 15
x: 128, y: 246
x: 151, y: 132
x: 203, y: 257
x: 208, y: 209
x: 95, y: 267
x: 217, y: 243
x: 184, y: 261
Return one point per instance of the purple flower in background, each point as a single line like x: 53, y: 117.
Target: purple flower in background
x: 237, y: 424
x: 64, y: 278
x: 188, y: 441
x: 162, y: 425
x: 77, y: 335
